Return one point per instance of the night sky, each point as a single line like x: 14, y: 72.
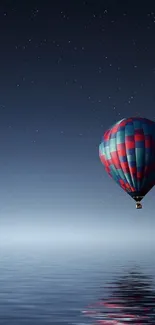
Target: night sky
x: 68, y: 71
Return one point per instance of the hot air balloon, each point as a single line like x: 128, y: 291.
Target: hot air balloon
x: 127, y: 152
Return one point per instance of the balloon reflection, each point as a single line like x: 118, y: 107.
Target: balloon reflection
x: 132, y: 300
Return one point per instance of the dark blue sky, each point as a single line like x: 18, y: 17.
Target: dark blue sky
x: 69, y: 70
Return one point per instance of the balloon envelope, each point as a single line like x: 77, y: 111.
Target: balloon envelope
x: 127, y: 151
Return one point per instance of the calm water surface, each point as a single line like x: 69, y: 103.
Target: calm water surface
x: 54, y: 285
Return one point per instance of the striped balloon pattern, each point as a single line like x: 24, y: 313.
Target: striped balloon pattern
x: 127, y: 152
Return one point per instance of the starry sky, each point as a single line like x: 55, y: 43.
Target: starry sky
x: 68, y: 71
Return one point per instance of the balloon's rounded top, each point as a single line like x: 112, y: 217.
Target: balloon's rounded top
x: 127, y: 151
x: 136, y: 121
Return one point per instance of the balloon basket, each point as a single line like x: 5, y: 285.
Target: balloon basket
x: 138, y: 205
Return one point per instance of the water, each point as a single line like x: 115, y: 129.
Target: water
x: 49, y: 285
